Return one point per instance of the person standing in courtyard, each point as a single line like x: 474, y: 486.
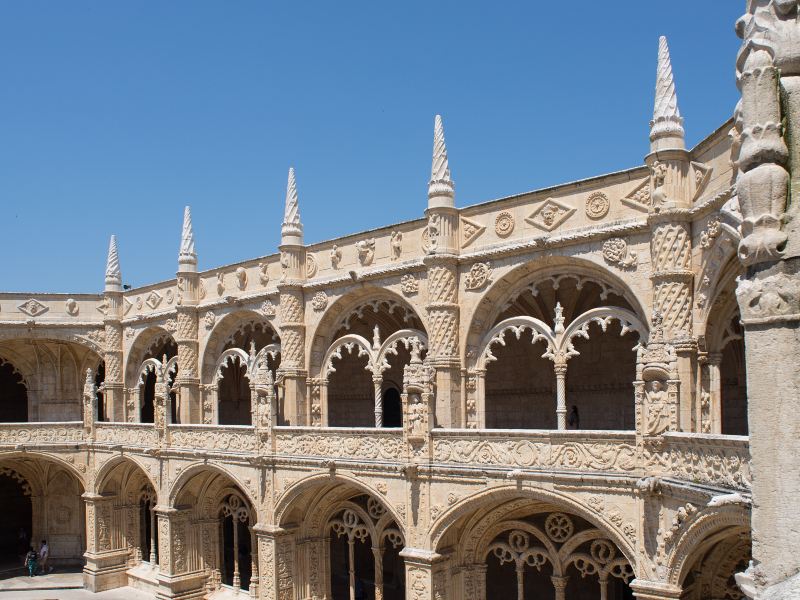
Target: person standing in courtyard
x: 32, y: 561
x: 44, y: 554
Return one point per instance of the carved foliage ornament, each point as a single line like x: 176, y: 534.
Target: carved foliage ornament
x: 479, y: 275
x: 409, y: 284
x: 616, y: 252
x: 319, y: 301
x: 268, y: 309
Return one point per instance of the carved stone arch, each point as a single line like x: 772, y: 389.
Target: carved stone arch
x: 209, y: 470
x: 480, y: 550
x: 30, y: 465
x: 718, y: 261
x: 602, y: 316
x: 19, y: 365
x: 722, y: 307
x: 497, y: 497
x: 334, y: 509
x: 131, y: 467
x: 345, y: 344
x: 314, y: 490
x: 90, y: 340
x: 226, y: 327
x: 333, y: 317
x: 514, y: 325
x: 139, y: 349
x: 496, y: 298
x: 227, y: 359
x: 708, y: 527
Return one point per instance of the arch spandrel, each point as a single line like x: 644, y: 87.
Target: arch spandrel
x: 517, y: 279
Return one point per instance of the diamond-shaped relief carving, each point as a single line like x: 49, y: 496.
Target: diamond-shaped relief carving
x: 153, y: 299
x: 126, y: 306
x: 32, y: 308
x: 550, y: 214
x: 639, y: 197
x: 702, y: 174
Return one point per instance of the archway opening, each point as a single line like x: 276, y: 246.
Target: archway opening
x: 237, y: 548
x: 520, y: 385
x: 13, y: 395
x: 234, y: 394
x: 733, y: 388
x: 148, y: 531
x: 600, y: 380
x: 392, y: 408
x: 16, y: 527
x: 713, y: 573
x: 162, y: 349
x: 362, y: 567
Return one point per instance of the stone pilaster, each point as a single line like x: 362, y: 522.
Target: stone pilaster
x: 105, y: 563
x: 442, y: 262
x: 426, y: 574
x: 276, y: 562
x: 768, y: 76
x: 187, y: 381
x: 292, y: 309
x: 113, y: 388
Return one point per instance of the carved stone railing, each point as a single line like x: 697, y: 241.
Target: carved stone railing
x: 340, y: 442
x: 127, y: 434
x: 221, y: 438
x: 708, y: 459
x: 41, y: 433
x: 555, y: 450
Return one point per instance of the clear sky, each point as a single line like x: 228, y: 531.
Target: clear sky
x: 114, y: 115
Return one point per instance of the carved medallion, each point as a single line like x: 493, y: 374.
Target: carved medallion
x: 504, y: 224
x: 71, y: 306
x: 597, y: 205
x: 311, y: 265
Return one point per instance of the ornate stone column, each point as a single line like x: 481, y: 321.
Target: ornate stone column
x: 292, y: 307
x: 672, y: 188
x: 89, y: 404
x: 441, y: 259
x: 654, y: 590
x: 187, y: 381
x: 560, y: 585
x: 768, y: 76
x: 113, y: 388
x: 426, y: 575
x: 561, y: 394
x: 105, y: 564
x: 276, y: 549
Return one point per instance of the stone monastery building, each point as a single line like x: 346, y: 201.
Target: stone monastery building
x: 587, y: 391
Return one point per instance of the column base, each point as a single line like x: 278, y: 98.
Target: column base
x: 105, y: 571
x: 655, y: 590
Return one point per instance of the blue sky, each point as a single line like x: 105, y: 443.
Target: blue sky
x: 114, y: 115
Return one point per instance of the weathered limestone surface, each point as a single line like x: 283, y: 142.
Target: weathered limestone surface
x: 582, y: 389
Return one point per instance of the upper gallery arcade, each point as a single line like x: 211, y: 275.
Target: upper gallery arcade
x: 544, y: 395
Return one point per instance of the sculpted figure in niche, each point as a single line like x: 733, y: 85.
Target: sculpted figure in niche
x: 366, y: 251
x: 397, y: 244
x: 658, y: 417
x: 336, y: 256
x: 659, y: 175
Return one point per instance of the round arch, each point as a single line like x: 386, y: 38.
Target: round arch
x: 136, y: 355
x: 708, y: 527
x: 108, y: 468
x: 333, y: 318
x: 208, y: 468
x: 503, y: 500
x: 226, y: 327
x: 337, y: 488
x: 504, y: 289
